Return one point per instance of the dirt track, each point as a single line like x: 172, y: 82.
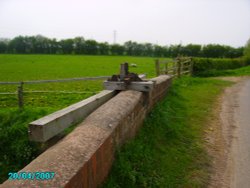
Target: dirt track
x: 230, y: 140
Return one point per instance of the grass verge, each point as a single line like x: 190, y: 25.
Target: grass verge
x: 243, y: 71
x: 169, y: 150
x: 16, y: 149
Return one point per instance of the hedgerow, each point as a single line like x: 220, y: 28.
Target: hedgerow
x: 205, y: 66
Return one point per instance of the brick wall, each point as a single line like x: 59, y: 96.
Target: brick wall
x: 84, y: 157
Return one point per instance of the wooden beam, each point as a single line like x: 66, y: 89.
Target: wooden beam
x: 47, y: 127
x: 137, y: 86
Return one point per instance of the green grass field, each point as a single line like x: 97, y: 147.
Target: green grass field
x: 35, y: 67
x: 16, y: 150
x: 42, y: 67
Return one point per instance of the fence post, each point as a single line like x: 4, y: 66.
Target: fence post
x: 174, y: 67
x: 157, y: 67
x: 191, y: 67
x: 182, y: 67
x: 20, y: 95
x: 166, y: 67
x: 178, y: 68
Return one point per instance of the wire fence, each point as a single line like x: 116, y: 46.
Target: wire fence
x: 175, y: 67
x: 55, y: 81
x: 20, y: 87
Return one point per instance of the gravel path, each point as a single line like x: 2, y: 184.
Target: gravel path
x: 240, y: 147
x: 229, y: 142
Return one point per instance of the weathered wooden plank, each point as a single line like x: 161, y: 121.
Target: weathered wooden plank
x: 141, y: 86
x: 187, y: 66
x: 137, y: 86
x: 186, y: 62
x: 47, y: 127
x: 171, y: 69
x: 185, y: 72
x: 114, y: 85
x: 171, y: 72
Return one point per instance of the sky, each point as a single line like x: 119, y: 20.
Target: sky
x: 162, y: 22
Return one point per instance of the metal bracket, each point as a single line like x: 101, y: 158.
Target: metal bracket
x: 127, y: 81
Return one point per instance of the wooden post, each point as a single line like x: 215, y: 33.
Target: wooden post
x: 157, y: 67
x: 191, y: 67
x: 20, y: 95
x: 182, y: 66
x: 174, y: 67
x: 123, y: 70
x: 178, y: 68
x: 166, y: 67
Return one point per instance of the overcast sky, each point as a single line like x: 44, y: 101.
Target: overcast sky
x: 162, y: 22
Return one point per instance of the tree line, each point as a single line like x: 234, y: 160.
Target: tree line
x: 78, y: 45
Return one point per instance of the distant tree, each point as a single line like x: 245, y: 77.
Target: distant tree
x: 214, y: 50
x: 67, y: 46
x: 91, y: 47
x: 138, y: 49
x: 3, y: 47
x: 231, y: 52
x: 17, y: 45
x: 166, y: 52
x: 193, y: 50
x: 129, y: 48
x: 79, y: 45
x: 158, y: 51
x: 148, y: 49
x: 175, y: 50
x: 117, y: 49
x: 29, y: 45
x: 238, y: 52
x: 103, y: 48
x: 53, y: 46
x: 42, y: 45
